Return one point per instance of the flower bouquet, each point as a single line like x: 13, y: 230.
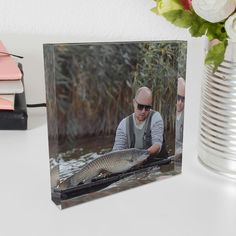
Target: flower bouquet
x: 215, y: 19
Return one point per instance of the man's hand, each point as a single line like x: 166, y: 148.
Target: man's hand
x: 154, y: 149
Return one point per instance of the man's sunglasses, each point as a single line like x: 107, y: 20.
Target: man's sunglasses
x: 182, y: 98
x: 141, y: 106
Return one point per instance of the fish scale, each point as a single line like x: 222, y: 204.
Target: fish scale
x: 113, y: 162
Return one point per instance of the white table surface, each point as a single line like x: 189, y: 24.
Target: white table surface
x: 197, y: 202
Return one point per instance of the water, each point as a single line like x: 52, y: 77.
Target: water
x: 153, y: 174
x: 87, y: 149
x: 68, y: 167
x: 71, y: 166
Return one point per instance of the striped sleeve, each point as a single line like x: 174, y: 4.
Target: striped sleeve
x: 157, y: 129
x: 121, y: 141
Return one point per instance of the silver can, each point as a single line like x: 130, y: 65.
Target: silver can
x: 217, y: 141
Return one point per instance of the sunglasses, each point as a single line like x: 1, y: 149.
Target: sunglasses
x: 182, y: 98
x: 141, y: 106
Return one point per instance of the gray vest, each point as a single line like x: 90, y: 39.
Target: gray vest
x: 179, y: 131
x: 139, y: 138
x: 143, y: 138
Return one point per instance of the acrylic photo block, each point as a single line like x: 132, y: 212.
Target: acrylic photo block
x: 115, y: 116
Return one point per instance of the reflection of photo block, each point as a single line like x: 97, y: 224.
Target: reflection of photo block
x: 15, y: 119
x: 111, y: 111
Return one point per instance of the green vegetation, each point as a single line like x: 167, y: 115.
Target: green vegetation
x: 95, y: 84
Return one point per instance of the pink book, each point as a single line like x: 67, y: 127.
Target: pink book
x: 7, y: 102
x: 8, y: 66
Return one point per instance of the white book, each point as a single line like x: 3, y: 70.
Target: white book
x: 11, y: 86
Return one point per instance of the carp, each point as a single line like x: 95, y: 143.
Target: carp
x: 109, y: 163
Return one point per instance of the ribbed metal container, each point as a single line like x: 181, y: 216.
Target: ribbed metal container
x: 217, y: 146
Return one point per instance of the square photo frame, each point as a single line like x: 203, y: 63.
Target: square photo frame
x: 115, y: 113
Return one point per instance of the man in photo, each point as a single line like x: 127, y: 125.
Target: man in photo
x: 142, y: 129
x: 180, y: 115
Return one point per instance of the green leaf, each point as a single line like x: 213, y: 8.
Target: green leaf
x: 216, y: 31
x: 179, y: 18
x: 164, y: 6
x: 155, y: 10
x: 198, y: 29
x: 216, y: 54
x: 198, y: 26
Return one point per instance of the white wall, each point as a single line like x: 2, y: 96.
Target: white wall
x: 25, y: 25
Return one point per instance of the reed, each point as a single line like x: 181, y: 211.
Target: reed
x: 95, y: 84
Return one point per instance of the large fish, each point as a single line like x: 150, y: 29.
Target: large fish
x: 112, y: 162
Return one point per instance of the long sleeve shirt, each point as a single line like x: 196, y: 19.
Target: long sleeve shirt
x: 157, y: 129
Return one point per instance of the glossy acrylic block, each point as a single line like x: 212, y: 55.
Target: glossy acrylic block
x: 91, y: 88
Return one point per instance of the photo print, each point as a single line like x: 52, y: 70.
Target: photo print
x: 115, y: 115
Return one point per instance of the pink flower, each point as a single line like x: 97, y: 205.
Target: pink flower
x: 186, y: 4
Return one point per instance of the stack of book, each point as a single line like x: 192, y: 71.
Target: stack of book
x: 13, y: 112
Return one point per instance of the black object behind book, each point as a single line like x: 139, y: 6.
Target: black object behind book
x: 16, y: 119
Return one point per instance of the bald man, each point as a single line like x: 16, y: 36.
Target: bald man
x: 143, y: 129
x: 180, y: 115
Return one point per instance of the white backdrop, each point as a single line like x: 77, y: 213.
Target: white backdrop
x: 197, y: 202
x: 25, y: 25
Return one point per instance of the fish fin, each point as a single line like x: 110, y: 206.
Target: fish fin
x: 103, y: 173
x: 87, y: 181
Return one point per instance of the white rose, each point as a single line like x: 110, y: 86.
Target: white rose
x: 230, y: 27
x: 214, y: 10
